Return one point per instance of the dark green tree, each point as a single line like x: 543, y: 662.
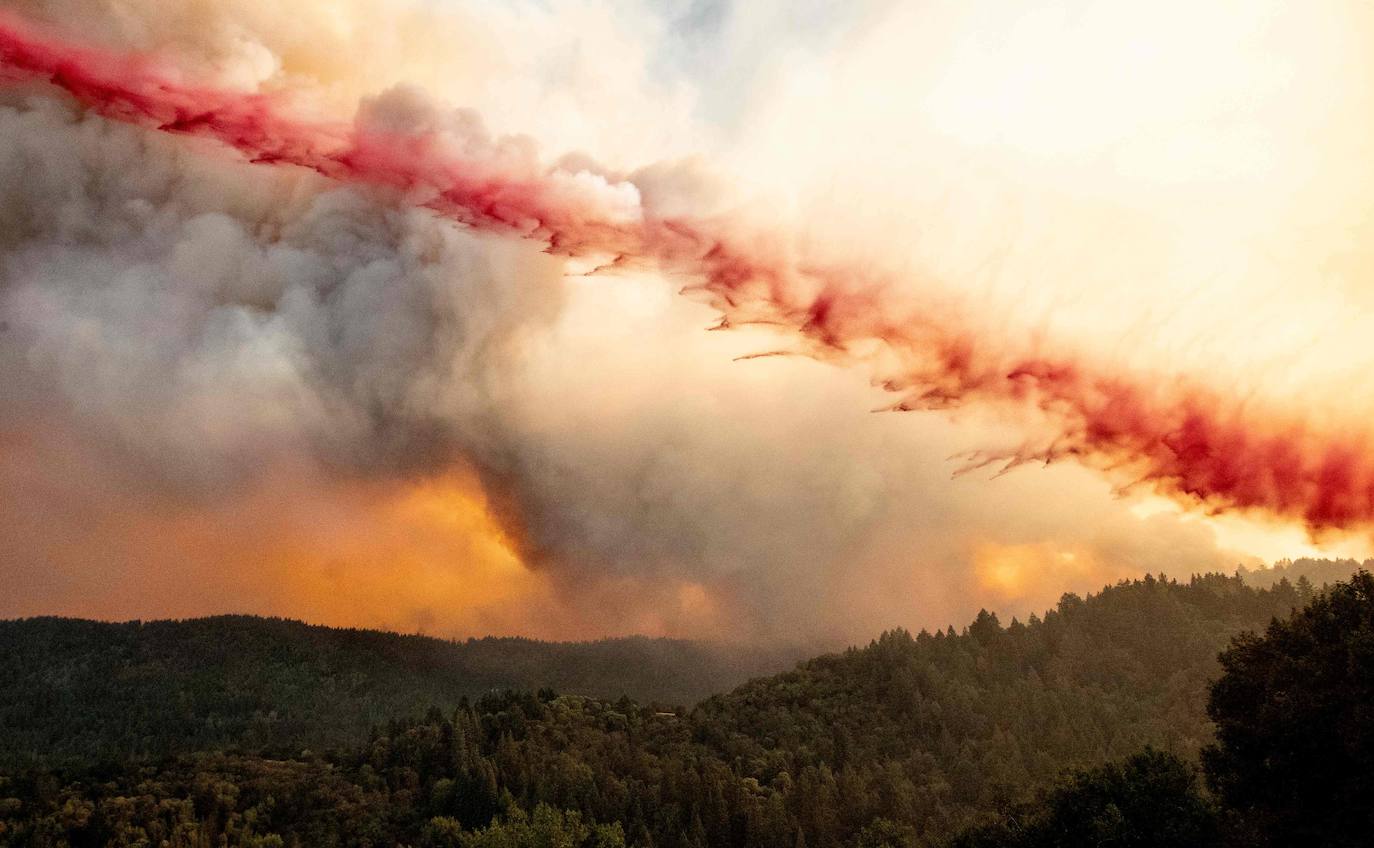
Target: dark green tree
x: 1151, y: 800
x: 1294, y: 711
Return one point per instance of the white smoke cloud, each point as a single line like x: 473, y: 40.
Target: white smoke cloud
x: 205, y: 315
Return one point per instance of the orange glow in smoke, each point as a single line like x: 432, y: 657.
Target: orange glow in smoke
x: 1018, y: 573
x: 423, y: 556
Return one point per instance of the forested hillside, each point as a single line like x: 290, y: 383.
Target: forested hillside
x: 1315, y: 572
x: 905, y: 742
x: 85, y: 691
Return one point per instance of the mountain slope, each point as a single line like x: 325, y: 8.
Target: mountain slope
x: 958, y: 721
x: 80, y: 690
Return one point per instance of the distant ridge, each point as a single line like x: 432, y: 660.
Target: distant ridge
x: 87, y: 690
x: 1319, y: 572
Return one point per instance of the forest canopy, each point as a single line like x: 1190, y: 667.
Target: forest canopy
x: 912, y: 740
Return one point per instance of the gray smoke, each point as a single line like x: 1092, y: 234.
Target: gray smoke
x: 204, y: 317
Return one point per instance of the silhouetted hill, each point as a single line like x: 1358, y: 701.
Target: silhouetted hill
x: 86, y: 690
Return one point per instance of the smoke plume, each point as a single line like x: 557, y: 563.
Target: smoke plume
x: 222, y: 301
x: 1182, y: 438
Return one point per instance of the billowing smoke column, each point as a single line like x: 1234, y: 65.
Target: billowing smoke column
x: 1186, y: 439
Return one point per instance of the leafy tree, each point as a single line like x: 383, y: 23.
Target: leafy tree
x: 545, y: 828
x: 1151, y: 800
x: 884, y: 833
x: 1294, y: 711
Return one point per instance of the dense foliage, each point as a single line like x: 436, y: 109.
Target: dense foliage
x: 906, y: 742
x: 81, y: 691
x: 1151, y: 800
x: 1295, y: 724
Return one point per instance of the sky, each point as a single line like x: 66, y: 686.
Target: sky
x: 772, y: 321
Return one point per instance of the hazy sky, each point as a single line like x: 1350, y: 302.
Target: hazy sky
x: 239, y: 386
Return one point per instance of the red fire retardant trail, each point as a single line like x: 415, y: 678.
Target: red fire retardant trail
x: 1185, y: 440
